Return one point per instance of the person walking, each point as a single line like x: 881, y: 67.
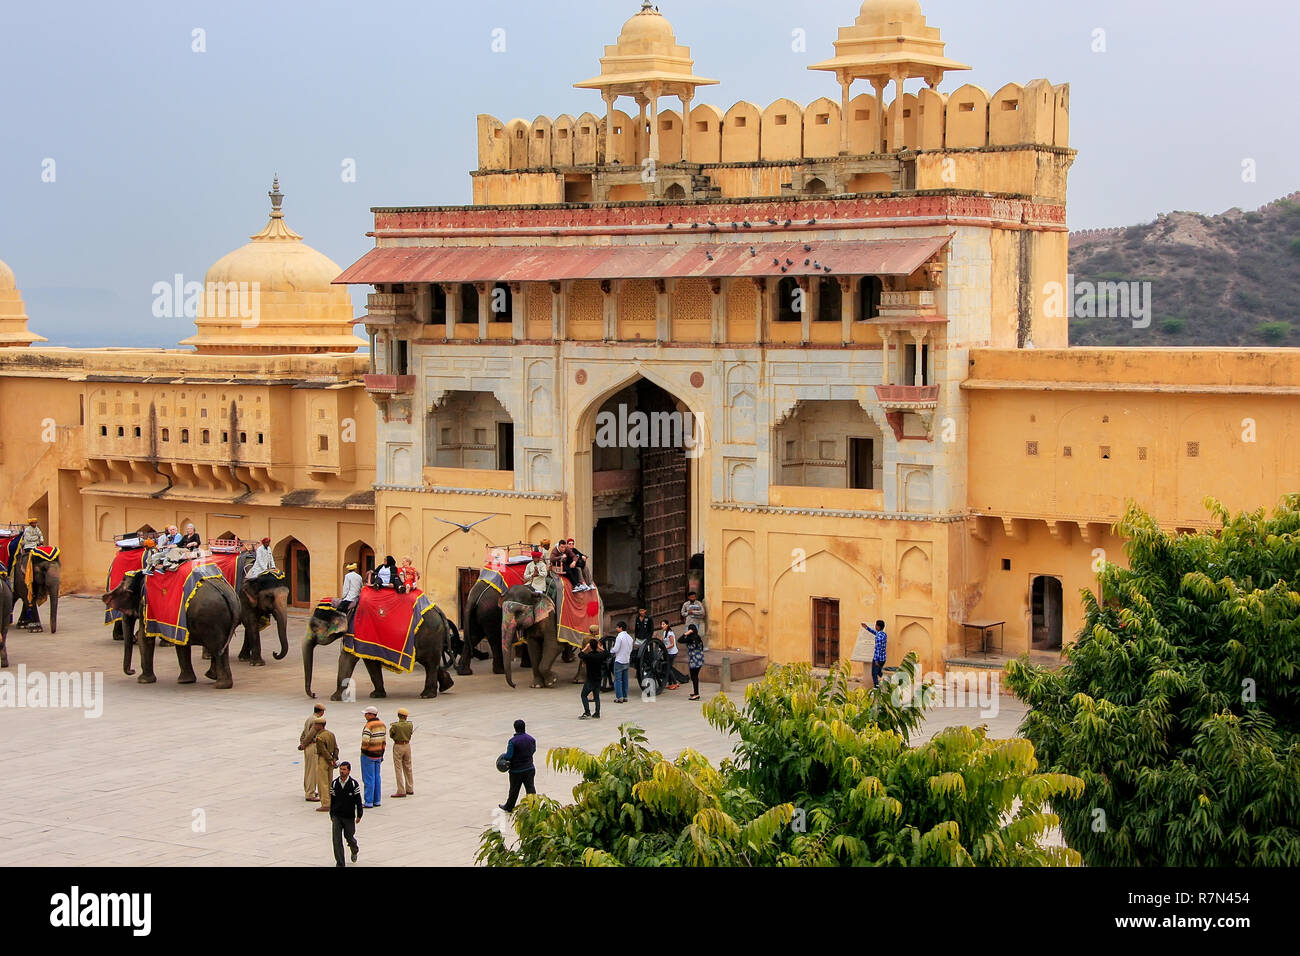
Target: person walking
x: 345, y: 812
x: 622, y: 651
x: 594, y: 658
x: 327, y: 758
x: 307, y: 744
x: 644, y: 626
x: 374, y: 741
x: 520, y: 750
x: 675, y: 677
x: 882, y: 646
x: 400, y: 733
x: 694, y: 658
x: 351, y: 589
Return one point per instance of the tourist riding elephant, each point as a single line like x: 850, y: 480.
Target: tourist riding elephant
x: 45, y: 584
x: 327, y: 626
x: 6, y: 609
x: 260, y: 599
x: 212, y: 615
x: 526, y: 613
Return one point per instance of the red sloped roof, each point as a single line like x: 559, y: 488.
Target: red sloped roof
x: 551, y: 263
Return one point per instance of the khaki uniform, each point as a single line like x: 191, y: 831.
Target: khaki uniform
x: 400, y: 734
x: 310, y: 786
x: 327, y: 755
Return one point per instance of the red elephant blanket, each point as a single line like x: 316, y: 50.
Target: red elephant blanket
x: 502, y: 577
x: 384, y: 627
x: 125, y: 562
x: 167, y: 598
x: 578, y: 612
x: 228, y: 565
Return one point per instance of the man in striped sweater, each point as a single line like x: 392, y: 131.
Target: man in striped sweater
x: 374, y: 741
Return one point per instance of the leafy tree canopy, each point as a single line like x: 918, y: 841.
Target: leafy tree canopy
x: 823, y: 775
x: 1179, y: 704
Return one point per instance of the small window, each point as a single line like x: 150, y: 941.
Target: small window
x: 322, y: 443
x: 907, y: 114
x: 499, y: 133
x: 782, y: 120
x: 243, y: 438
x: 1193, y: 449
x: 261, y: 439
x: 225, y: 437
x: 480, y: 436
x: 1009, y: 106
x: 203, y: 413
x: 206, y: 437
x: 540, y: 134
x: 519, y: 134
x: 121, y: 432
x: 702, y: 127
x: 618, y: 131
x: 586, y: 131
x: 1031, y: 448
x: 666, y: 125
x: 166, y: 434
x: 446, y: 438
x: 564, y: 133
x: 1105, y: 453
x: 185, y: 436
x: 862, y: 115
x: 103, y: 431
x: 137, y: 431
x: 163, y: 411
x: 1006, y: 564
x: 1142, y: 454
x: 826, y: 451
x: 741, y: 122
x: 823, y: 119
x: 966, y: 107
x: 791, y: 450
x: 1067, y: 452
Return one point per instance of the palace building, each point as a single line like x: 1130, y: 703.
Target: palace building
x: 812, y: 360
x: 848, y: 302
x: 264, y: 429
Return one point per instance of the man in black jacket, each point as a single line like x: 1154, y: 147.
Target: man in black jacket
x: 595, y: 660
x: 345, y: 811
x: 520, y: 751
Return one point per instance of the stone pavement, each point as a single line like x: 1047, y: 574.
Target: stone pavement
x: 173, y: 775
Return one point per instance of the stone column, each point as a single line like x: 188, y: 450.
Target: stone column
x: 880, y: 84
x: 663, y: 309
x: 885, y: 336
x: 609, y: 98
x: 518, y: 312
x: 452, y: 291
x: 718, y: 313
x: 896, y: 132
x: 610, y: 303
x: 846, y: 83
x: 484, y: 290
x: 557, y: 311
x: 809, y: 305
x: 686, y: 127
x: 848, y: 308
x: 760, y: 306
x: 641, y: 148
x: 918, y: 336
x: 654, y: 124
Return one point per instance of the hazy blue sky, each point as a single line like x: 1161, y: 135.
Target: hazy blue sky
x: 164, y: 155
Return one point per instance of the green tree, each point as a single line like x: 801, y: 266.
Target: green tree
x: 822, y: 775
x: 1179, y: 705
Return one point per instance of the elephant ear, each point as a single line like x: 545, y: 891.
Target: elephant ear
x: 544, y: 609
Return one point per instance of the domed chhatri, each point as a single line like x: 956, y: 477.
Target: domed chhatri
x: 13, y: 316
x: 890, y: 11
x: 647, y: 63
x: 274, y: 295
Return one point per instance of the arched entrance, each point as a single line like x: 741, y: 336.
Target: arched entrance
x: 642, y: 442
x: 361, y: 554
x: 295, y: 560
x: 1046, y: 613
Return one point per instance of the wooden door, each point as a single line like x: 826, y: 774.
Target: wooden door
x: 466, y: 578
x: 299, y: 575
x: 664, y: 532
x: 826, y: 632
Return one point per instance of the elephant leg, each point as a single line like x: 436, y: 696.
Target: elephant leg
x: 225, y: 680
x: 430, y: 681
x: 187, y: 669
x: 376, y: 678
x: 253, y: 643
x: 117, y: 630
x: 347, y: 664
x: 147, y: 648
x: 534, y: 645
x: 245, y: 650
x: 550, y: 651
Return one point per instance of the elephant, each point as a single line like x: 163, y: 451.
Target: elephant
x: 6, y: 609
x: 433, y: 636
x: 261, y: 598
x: 45, y: 584
x: 482, y: 619
x: 213, y: 614
x: 534, y: 614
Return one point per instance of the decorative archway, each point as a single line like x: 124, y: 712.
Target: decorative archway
x: 293, y: 558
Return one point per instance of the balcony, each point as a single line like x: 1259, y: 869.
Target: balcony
x: 908, y: 398
x: 387, y: 310
x: 390, y: 384
x: 916, y: 306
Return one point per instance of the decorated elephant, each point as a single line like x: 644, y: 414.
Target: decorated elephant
x: 261, y: 599
x: 212, y: 614
x: 482, y: 620
x: 328, y: 625
x: 45, y: 573
x: 6, y: 609
x: 531, y: 617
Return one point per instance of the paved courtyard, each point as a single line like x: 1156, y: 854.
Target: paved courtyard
x: 189, y: 775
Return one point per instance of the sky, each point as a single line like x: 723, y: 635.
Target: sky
x: 162, y: 153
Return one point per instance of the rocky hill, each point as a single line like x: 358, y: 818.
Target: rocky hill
x: 1226, y: 280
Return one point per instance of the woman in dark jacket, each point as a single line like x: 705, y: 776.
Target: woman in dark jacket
x: 694, y: 657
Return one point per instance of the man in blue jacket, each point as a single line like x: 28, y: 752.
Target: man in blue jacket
x: 520, y: 750
x: 882, y: 645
